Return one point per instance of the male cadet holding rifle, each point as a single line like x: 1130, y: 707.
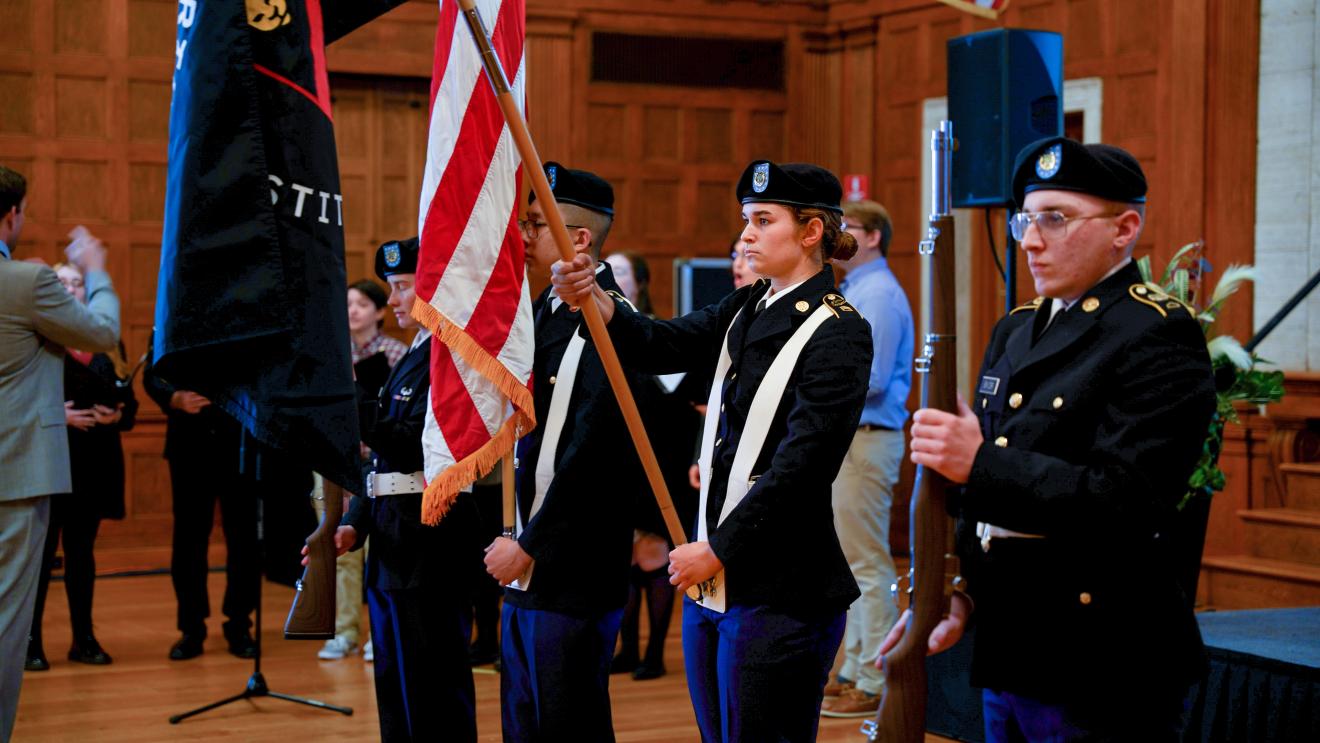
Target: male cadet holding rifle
x: 1091, y: 407
x: 576, y: 475
x: 417, y: 575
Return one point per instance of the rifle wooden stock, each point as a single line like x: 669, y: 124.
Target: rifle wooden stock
x: 902, y: 714
x: 312, y: 616
x: 590, y: 312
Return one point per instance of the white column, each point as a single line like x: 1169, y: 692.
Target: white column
x: 1288, y: 179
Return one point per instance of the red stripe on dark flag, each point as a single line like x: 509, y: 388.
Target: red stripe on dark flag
x: 452, y: 406
x: 317, y: 29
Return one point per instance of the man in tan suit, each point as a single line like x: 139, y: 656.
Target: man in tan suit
x: 38, y: 319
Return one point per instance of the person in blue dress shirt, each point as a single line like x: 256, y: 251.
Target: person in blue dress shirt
x: 864, y: 489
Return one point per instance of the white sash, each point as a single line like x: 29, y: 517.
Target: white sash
x: 765, y: 403
x: 554, y: 426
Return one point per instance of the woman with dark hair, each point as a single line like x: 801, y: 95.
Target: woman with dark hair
x: 99, y: 403
x: 366, y: 318
x: 791, y: 360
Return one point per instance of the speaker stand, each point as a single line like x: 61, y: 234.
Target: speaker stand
x: 256, y: 683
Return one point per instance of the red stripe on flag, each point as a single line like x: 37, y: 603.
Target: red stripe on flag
x: 461, y: 425
x: 444, y: 41
x: 498, y: 306
x: 455, y: 196
x: 318, y: 57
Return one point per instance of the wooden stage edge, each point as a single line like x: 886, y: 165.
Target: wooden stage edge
x: 132, y: 699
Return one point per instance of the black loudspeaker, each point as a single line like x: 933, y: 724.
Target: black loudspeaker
x: 1005, y: 92
x: 699, y: 282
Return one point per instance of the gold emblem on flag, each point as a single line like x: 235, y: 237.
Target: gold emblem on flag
x: 268, y: 15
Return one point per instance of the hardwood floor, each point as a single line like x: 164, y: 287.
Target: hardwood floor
x: 131, y: 700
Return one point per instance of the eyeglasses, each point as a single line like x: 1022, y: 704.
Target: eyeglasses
x: 532, y: 230
x: 1052, y: 224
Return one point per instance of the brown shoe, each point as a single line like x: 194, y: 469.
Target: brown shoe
x: 851, y: 703
x: 836, y: 687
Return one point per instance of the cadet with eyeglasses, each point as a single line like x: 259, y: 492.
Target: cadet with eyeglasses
x: 1089, y: 413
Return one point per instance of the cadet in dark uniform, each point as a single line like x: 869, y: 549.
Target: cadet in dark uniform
x: 791, y: 361
x: 417, y: 576
x: 576, y: 474
x: 1090, y: 411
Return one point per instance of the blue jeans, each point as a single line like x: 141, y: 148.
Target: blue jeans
x: 757, y: 674
x: 555, y: 676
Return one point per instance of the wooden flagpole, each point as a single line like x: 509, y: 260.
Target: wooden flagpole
x: 590, y: 312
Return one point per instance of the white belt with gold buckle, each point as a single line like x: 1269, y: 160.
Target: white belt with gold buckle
x: 988, y: 532
x: 395, y: 483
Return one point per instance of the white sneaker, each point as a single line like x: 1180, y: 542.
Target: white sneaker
x: 367, y: 653
x: 336, y: 648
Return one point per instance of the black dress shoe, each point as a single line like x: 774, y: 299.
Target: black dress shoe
x: 241, y: 644
x: 36, y: 657
x: 188, y: 646
x: 89, y: 651
x: 648, y: 671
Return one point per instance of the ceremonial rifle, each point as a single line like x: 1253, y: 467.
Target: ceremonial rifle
x: 312, y: 616
x: 590, y: 312
x: 931, y: 578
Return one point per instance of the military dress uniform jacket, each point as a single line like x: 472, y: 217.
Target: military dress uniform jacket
x: 581, y: 538
x: 405, y: 553
x: 778, y: 546
x: 1090, y: 435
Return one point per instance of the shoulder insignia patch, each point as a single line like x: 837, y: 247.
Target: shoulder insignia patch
x: 838, y: 304
x: 1148, y: 297
x: 1032, y: 305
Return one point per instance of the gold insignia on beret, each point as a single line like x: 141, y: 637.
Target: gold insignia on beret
x: 1140, y: 293
x: 1032, y: 305
x: 1090, y: 304
x: 802, y: 305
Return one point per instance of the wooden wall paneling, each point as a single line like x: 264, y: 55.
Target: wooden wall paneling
x: 552, y: 78
x: 856, y: 111
x: 1232, y: 67
x: 1181, y: 128
x: 400, y: 43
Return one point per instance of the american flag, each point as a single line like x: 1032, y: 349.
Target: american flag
x: 985, y: 8
x: 471, y: 282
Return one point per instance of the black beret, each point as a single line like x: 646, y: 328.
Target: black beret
x: 795, y: 184
x: 579, y: 188
x: 395, y: 257
x: 1062, y: 164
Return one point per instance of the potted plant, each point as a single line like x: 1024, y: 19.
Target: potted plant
x: 1239, y: 375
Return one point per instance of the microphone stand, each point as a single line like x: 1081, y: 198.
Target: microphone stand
x: 256, y: 683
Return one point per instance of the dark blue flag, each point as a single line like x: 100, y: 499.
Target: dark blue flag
x: 251, y: 301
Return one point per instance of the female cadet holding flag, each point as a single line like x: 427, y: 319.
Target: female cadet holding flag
x: 791, y: 359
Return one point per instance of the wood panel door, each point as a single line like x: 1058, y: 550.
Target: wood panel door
x: 380, y: 131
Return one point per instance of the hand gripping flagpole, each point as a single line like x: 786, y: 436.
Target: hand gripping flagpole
x: 595, y: 323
